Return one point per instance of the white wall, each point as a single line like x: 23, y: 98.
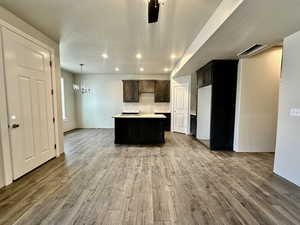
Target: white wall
x: 287, y: 157
x: 1, y: 168
x: 257, y: 102
x: 7, y: 17
x: 95, y: 110
x: 70, y: 122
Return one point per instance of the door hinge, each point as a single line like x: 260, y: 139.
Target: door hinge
x: 50, y: 63
x: 52, y: 92
x: 55, y: 146
x: 53, y: 119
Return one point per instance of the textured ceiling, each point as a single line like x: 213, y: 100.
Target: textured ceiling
x: 254, y: 22
x: 87, y: 29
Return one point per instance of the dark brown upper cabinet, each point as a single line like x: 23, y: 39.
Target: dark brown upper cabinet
x: 205, y: 76
x: 147, y: 86
x: 162, y: 91
x: 131, y: 91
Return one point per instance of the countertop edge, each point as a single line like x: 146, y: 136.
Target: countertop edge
x: 140, y: 116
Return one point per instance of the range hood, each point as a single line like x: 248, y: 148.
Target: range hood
x: 146, y: 86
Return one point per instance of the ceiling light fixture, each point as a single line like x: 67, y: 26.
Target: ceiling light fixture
x: 117, y: 69
x: 104, y: 56
x: 141, y: 69
x: 166, y: 69
x: 173, y: 56
x: 139, y: 56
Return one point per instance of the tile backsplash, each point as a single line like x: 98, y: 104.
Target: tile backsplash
x: 146, y: 105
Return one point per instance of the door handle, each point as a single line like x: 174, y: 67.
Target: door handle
x: 14, y: 126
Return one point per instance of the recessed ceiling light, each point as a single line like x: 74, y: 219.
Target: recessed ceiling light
x: 104, y: 56
x: 173, y: 56
x: 117, y: 69
x: 139, y: 56
x: 166, y: 69
x: 141, y: 69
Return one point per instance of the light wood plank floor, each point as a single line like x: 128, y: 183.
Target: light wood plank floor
x: 179, y: 183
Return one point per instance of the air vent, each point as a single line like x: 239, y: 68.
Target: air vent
x: 255, y: 49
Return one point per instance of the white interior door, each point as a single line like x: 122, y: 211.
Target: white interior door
x: 204, y: 112
x: 28, y: 81
x: 180, y: 108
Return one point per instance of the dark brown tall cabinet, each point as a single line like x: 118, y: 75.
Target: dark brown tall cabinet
x: 131, y: 91
x: 222, y: 76
x: 193, y: 125
x: 162, y: 91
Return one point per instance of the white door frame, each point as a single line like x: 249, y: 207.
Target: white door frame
x: 186, y: 83
x: 5, y: 148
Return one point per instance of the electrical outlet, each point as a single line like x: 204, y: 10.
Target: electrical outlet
x: 295, y: 112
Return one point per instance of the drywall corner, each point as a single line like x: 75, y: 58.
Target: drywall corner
x: 287, y: 153
x: 257, y: 102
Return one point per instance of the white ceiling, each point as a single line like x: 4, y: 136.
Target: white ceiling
x: 255, y: 21
x: 86, y: 29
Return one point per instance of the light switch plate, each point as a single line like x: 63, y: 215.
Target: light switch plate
x: 295, y: 112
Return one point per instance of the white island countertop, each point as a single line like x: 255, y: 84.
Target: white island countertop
x: 141, y: 116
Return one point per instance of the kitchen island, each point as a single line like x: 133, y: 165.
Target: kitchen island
x: 139, y: 129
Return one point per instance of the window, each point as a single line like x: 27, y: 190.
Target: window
x: 63, y: 105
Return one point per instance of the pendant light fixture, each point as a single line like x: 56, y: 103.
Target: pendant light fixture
x: 81, y: 88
